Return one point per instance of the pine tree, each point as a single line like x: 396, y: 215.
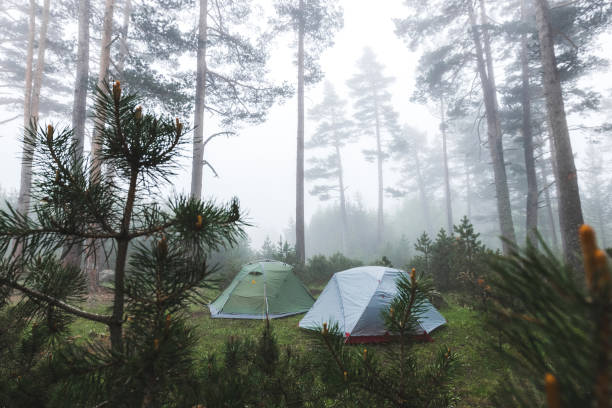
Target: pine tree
x: 161, y: 261
x: 334, y: 131
x: 558, y: 328
x: 465, y: 46
x: 424, y: 245
x: 314, y: 22
x: 372, y: 101
x: 407, y: 146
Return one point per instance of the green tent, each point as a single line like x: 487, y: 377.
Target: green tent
x: 260, y: 288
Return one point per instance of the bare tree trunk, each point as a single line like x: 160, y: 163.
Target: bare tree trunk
x: 422, y: 192
x: 494, y: 135
x: 123, y: 41
x: 197, y: 165
x: 342, y: 200
x: 96, y: 171
x: 570, y: 210
x: 447, y: 190
x: 379, y: 162
x: 548, y: 202
x: 23, y: 204
x: 468, y: 189
x: 79, y: 107
x: 27, y: 99
x: 532, y: 184
x: 300, y: 239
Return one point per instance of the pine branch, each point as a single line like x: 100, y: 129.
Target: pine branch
x: 106, y: 319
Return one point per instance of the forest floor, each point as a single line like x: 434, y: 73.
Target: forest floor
x: 479, y: 372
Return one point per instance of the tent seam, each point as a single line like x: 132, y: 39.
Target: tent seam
x: 341, y: 303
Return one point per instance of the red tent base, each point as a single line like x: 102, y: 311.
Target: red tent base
x: 383, y: 339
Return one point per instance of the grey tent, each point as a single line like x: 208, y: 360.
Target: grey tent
x: 354, y: 299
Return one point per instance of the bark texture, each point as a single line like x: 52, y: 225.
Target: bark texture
x: 447, y: 190
x: 27, y: 99
x: 93, y: 257
x: 31, y: 122
x: 79, y: 106
x: 532, y: 184
x: 570, y: 210
x: 300, y: 239
x: 494, y: 135
x: 197, y: 164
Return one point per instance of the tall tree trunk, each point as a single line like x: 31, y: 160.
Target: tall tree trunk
x: 570, y: 210
x: 447, y: 190
x: 79, y: 106
x: 342, y: 200
x: 123, y: 41
x: 494, y: 135
x: 468, y: 189
x: 379, y: 162
x: 197, y: 165
x: 23, y: 204
x: 27, y: 99
x: 300, y: 239
x: 532, y: 184
x: 548, y: 201
x: 422, y: 192
x: 94, y: 255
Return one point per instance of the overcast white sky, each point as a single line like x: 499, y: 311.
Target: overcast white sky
x: 258, y: 166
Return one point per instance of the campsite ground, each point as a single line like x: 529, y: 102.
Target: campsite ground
x: 479, y: 371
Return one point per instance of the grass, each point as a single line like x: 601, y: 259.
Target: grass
x: 480, y: 369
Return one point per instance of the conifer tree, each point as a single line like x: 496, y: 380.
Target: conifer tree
x: 407, y: 146
x: 463, y: 46
x: 160, y: 265
x: 334, y: 131
x: 558, y: 327
x: 314, y: 22
x: 372, y: 103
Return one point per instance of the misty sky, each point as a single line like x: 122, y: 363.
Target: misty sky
x: 258, y: 166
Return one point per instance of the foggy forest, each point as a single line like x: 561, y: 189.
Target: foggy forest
x: 305, y: 203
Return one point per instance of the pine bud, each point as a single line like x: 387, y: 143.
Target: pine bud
x: 179, y: 127
x: 413, y: 276
x: 138, y: 112
x: 552, y: 391
x: 345, y: 376
x: 325, y: 331
x: 365, y: 354
x: 480, y: 282
x: 57, y: 177
x: 117, y: 91
x: 589, y: 246
x: 199, y: 222
x: 168, y: 318
x: 50, y: 132
x: 156, y: 344
x: 601, y: 266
